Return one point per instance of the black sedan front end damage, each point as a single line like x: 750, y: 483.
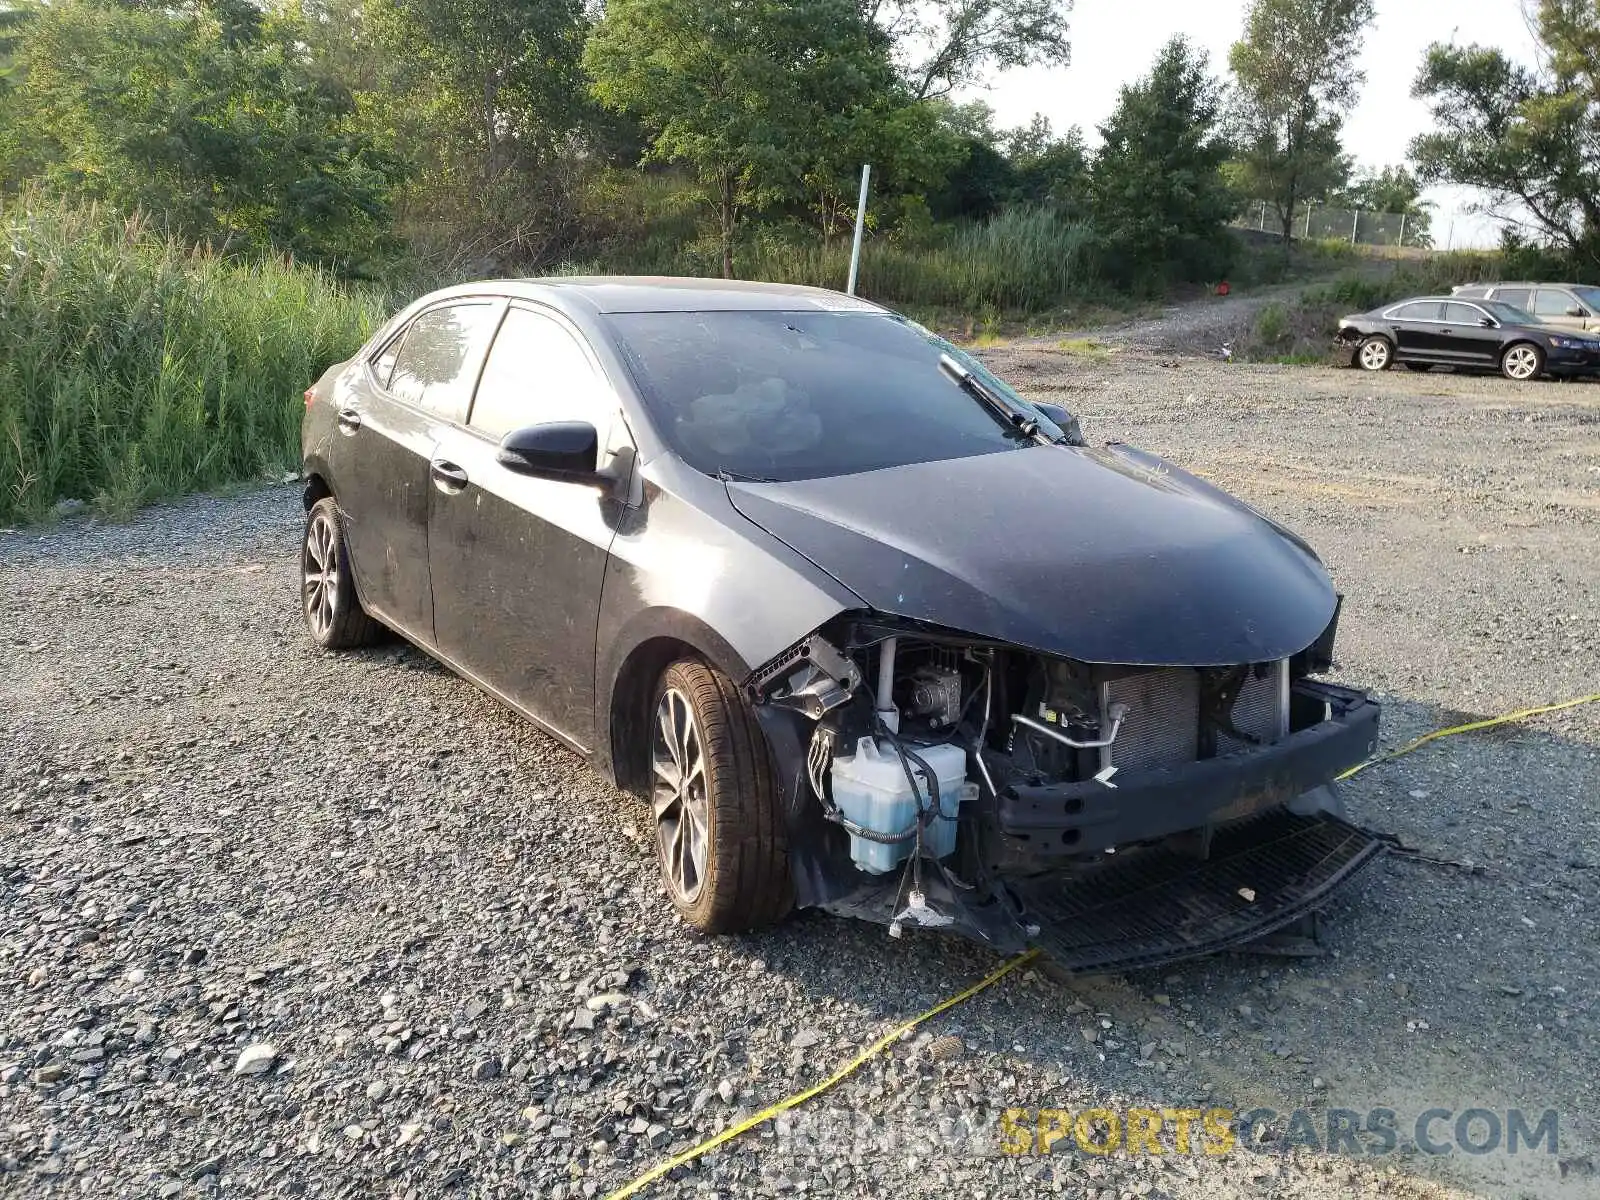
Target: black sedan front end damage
x: 1115, y: 816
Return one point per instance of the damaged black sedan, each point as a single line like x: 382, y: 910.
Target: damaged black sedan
x: 870, y: 631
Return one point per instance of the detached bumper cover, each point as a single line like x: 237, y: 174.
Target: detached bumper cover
x: 1089, y: 818
x: 1161, y: 906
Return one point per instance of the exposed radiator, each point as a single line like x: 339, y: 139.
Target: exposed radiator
x: 1162, y: 728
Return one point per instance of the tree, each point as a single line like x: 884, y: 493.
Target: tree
x: 1160, y: 202
x: 1296, y: 76
x: 742, y: 91
x: 1048, y: 169
x: 207, y: 118
x: 1391, y: 190
x: 949, y: 44
x: 1525, y: 136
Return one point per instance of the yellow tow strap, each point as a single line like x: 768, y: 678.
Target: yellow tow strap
x: 799, y: 1098
x: 994, y: 977
x: 1522, y: 714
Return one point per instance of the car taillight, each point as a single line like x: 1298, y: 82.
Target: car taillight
x: 310, y: 393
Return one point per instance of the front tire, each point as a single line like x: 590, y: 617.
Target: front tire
x: 1375, y: 353
x: 721, y: 842
x: 334, y: 616
x: 1522, y: 361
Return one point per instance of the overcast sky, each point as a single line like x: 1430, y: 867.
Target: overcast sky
x: 1115, y: 41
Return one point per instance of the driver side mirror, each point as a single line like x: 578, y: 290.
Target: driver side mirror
x: 565, y: 451
x: 1575, y: 311
x: 1488, y: 322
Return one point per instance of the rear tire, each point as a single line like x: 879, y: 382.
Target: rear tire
x: 333, y: 612
x: 721, y: 841
x: 1375, y: 353
x: 1522, y: 361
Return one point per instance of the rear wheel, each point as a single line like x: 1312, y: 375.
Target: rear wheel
x: 720, y: 836
x: 334, y: 616
x: 1522, y: 361
x: 1375, y: 353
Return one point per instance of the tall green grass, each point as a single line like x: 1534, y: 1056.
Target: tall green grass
x: 1021, y: 261
x: 132, y: 368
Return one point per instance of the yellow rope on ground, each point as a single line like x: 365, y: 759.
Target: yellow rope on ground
x: 888, y: 1039
x: 799, y: 1098
x: 1471, y: 727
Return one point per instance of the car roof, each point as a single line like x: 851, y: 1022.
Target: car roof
x: 645, y: 293
x: 1525, y: 283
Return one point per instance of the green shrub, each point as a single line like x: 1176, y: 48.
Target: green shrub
x: 131, y: 368
x: 1272, y: 323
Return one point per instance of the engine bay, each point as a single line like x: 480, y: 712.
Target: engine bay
x: 936, y: 769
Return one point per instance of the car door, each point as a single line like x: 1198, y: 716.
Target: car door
x: 387, y: 430
x: 1473, y: 343
x: 518, y: 562
x: 1415, y: 328
x: 1557, y: 306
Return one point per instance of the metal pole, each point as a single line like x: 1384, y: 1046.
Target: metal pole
x: 1262, y: 224
x: 861, y: 223
x: 1310, y: 204
x: 1402, y: 231
x: 1355, y: 225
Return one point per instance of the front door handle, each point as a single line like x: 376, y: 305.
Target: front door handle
x: 349, y: 420
x: 447, y: 477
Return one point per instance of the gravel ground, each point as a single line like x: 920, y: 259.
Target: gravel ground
x: 276, y: 923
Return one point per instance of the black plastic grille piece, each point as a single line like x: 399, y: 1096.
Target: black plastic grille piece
x: 1159, y: 905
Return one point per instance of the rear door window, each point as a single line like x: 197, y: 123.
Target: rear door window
x: 536, y: 372
x: 1516, y: 297
x: 1425, y: 311
x: 439, y: 358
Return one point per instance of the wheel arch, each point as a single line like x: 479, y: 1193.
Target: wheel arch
x: 653, y: 641
x: 316, y: 489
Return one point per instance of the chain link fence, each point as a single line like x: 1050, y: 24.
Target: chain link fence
x: 1319, y: 222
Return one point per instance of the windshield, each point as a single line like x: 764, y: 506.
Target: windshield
x: 781, y: 396
x: 1589, y: 295
x: 1507, y: 314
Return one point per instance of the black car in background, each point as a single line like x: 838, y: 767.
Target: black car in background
x: 1485, y: 335
x: 868, y: 631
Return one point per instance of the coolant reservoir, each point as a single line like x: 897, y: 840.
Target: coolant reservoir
x: 870, y: 788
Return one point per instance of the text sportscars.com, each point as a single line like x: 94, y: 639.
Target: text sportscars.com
x: 1178, y: 1131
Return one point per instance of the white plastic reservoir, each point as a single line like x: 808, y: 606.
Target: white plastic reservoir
x: 870, y: 788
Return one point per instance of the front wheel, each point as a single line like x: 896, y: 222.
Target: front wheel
x: 1375, y: 353
x: 1522, y: 361
x: 721, y: 841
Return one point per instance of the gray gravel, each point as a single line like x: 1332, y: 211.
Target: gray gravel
x: 278, y: 923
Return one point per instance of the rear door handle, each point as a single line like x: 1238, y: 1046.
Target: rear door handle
x: 349, y: 420
x: 447, y: 477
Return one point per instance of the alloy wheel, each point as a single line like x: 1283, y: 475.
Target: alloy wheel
x: 1375, y: 355
x: 1522, y: 362
x: 319, y: 574
x: 679, y: 797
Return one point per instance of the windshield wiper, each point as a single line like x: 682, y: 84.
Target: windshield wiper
x: 728, y: 476
x: 1015, y: 418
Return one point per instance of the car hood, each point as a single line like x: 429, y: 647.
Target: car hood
x: 1100, y: 555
